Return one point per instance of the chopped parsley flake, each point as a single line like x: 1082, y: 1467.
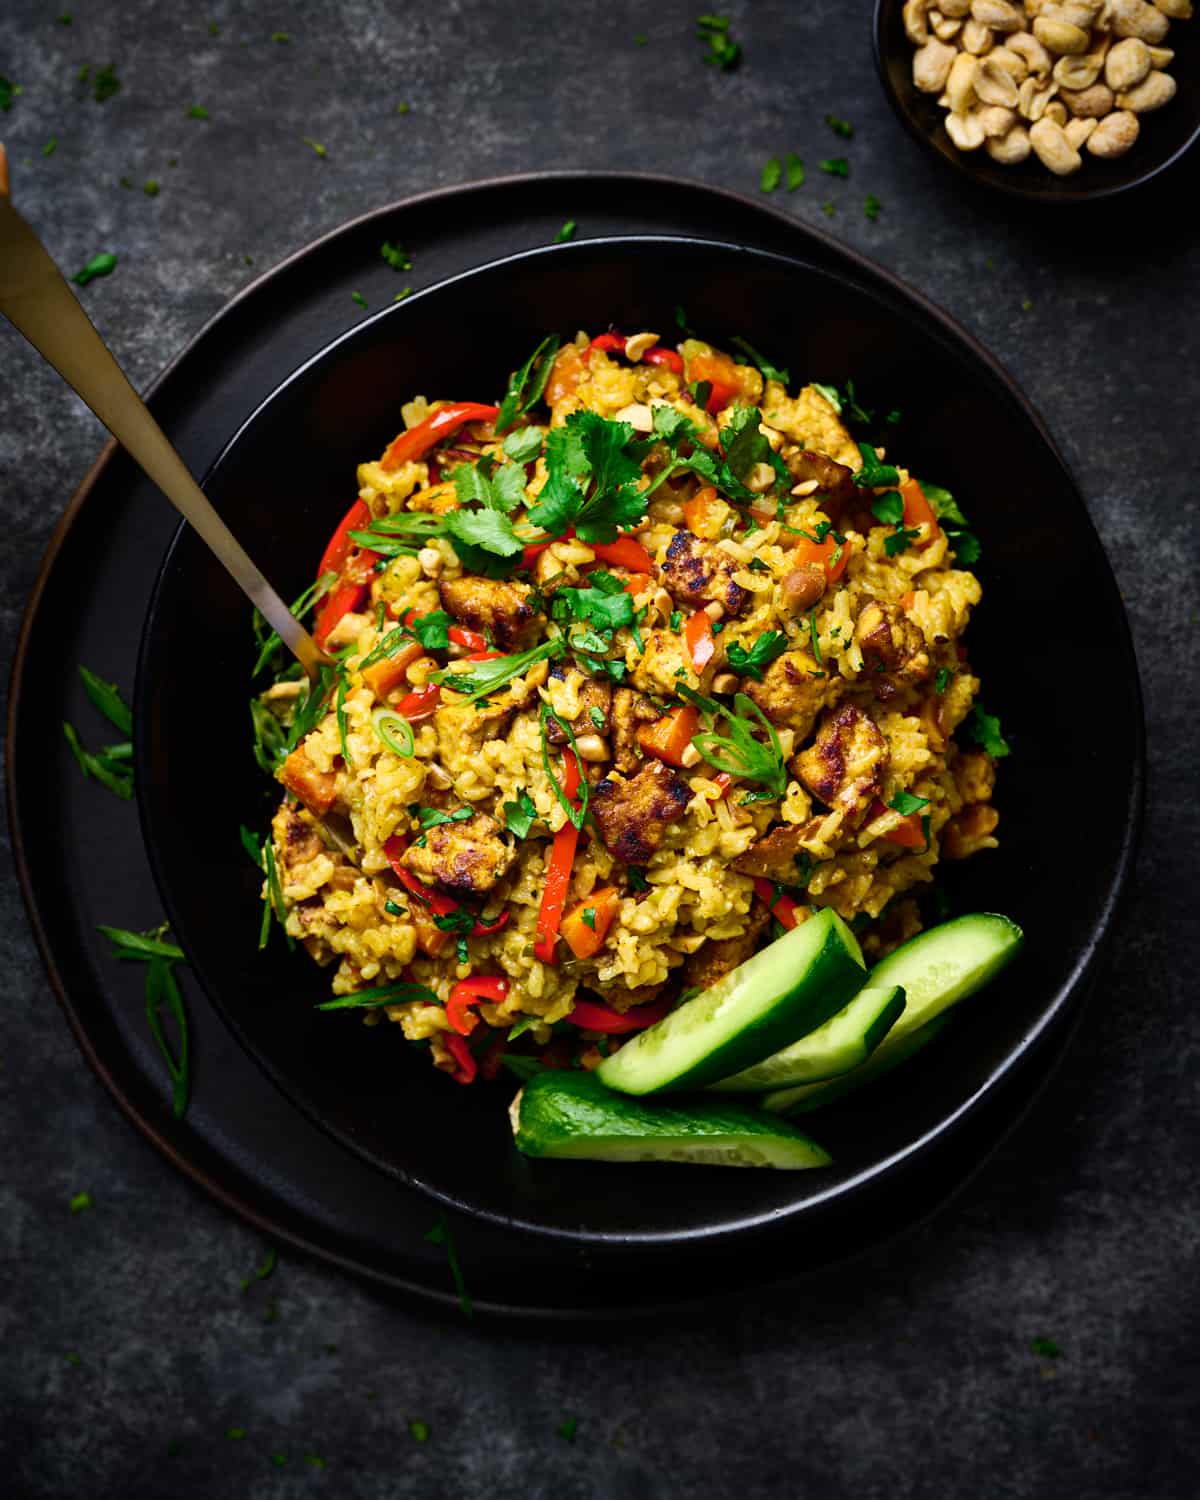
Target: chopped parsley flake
x: 419, y: 1431
x: 641, y: 39
x: 79, y: 1202
x: 359, y: 299
x: 983, y: 729
x: 402, y: 108
x: 589, y: 917
x: 943, y: 677
x: 828, y: 208
x: 771, y: 175
x: 1045, y: 1348
x: 198, y: 112
x: 396, y: 256
x: 151, y: 187
x: 567, y: 1428
x: 50, y: 147
x: 405, y: 291
x: 280, y: 36
x: 905, y: 803
x: 722, y: 51
x: 836, y: 166
x: 105, y: 84
x: 317, y: 148
x: 871, y: 206
x: 103, y: 264
x: 795, y: 171
x: 567, y: 232
x: 235, y: 1434
x: 840, y: 127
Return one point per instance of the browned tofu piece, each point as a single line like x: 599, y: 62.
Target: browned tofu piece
x: 594, y: 693
x: 633, y: 815
x: 316, y: 789
x: 697, y: 573
x: 774, y: 855
x: 844, y: 765
x: 297, y: 842
x: 467, y: 858
x: 835, y: 482
x: 893, y: 648
x: 629, y: 712
x: 490, y: 604
x: 712, y: 962
x: 792, y: 691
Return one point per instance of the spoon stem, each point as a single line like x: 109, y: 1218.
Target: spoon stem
x: 36, y: 299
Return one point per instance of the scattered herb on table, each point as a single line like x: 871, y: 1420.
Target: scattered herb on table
x: 72, y: 1359
x: 402, y: 108
x: 440, y: 1235
x: 567, y: 1428
x: 405, y: 291
x: 316, y: 146
x: 871, y: 206
x: 103, y: 264
x: 198, y: 112
x: 314, y: 1460
x: 795, y: 171
x: 279, y: 1459
x: 396, y: 256
x: 828, y: 208
x: 722, y: 51
x: 280, y: 36
x: 840, y: 127
x: 770, y: 176
x: 235, y: 1434
x: 1045, y: 1348
x: 50, y: 147
x: 112, y: 765
x: 162, y: 993
x: 419, y: 1431
x: 8, y: 92
x: 641, y: 39
x: 79, y: 1202
x: 105, y: 84
x: 567, y: 232
x: 359, y: 299
x: 260, y: 1273
x: 151, y: 187
x: 835, y: 166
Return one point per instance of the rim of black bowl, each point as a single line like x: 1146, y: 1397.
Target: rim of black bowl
x: 1028, y: 182
x: 848, y: 1188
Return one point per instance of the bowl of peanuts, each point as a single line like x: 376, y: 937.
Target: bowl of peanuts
x: 1043, y: 100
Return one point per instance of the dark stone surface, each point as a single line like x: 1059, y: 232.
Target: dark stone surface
x: 910, y: 1373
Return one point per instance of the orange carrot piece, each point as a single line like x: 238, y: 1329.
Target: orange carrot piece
x: 586, y: 938
x: 384, y: 677
x: 314, y: 788
x: 667, y: 738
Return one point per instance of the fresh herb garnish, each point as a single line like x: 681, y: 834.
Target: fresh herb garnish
x: 198, y: 112
x: 567, y: 1428
x: 253, y: 847
x: 151, y: 187
x: 637, y: 879
x: 314, y: 146
x: 967, y: 549
x: 840, y: 127
x: 597, y: 717
x: 795, y: 171
x: 419, y: 1431
x: 521, y: 1026
x: 771, y: 175
x: 738, y: 753
x: 359, y: 300
x: 769, y: 645
x: 50, y: 147
x: 393, y: 731
x: 874, y: 474
x: 905, y: 803
x: 527, y: 384
x: 433, y: 817
x: 396, y: 256
x: 722, y: 51
x: 575, y: 811
x: 440, y: 1235
x: 889, y: 508
x: 594, y: 470
x: 481, y: 678
x: 162, y: 992
x: 983, y: 729
x: 110, y: 765
x: 567, y: 232
x: 394, y: 909
x: 770, y: 371
x: 944, y: 674
x: 604, y: 604
x: 1044, y: 1348
x: 814, y: 639
x: 384, y: 994
x: 105, y: 84
x: 339, y: 713
x: 871, y: 206
x: 103, y: 264
x: 79, y: 1202
x: 900, y: 540
x: 520, y: 816
x: 8, y: 92
x: 836, y: 166
x: 523, y: 444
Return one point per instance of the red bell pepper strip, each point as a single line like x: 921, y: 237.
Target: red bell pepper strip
x: 340, y: 546
x: 594, y: 1017
x: 558, y: 869
x: 779, y: 902
x: 699, y: 639
x: 625, y: 552
x: 438, y: 904
x: 660, y: 356
x: 342, y: 600
x: 908, y: 833
x: 533, y: 550
x: 471, y: 639
x: 462, y: 1055
x: 723, y: 781
x: 418, y: 440
x: 719, y: 397
x: 485, y: 929
x: 608, y: 342
x: 471, y: 991
x: 421, y: 703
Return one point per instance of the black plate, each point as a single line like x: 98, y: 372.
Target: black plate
x: 1164, y: 136
x: 1050, y: 644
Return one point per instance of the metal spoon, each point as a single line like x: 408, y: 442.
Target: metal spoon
x: 36, y: 299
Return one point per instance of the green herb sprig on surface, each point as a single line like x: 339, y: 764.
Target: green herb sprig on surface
x: 111, y: 765
x: 162, y: 993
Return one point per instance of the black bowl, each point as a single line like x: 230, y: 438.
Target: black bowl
x: 1165, y: 133
x: 1050, y: 641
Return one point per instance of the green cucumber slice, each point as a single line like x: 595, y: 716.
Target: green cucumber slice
x: 844, y: 1042
x: 936, y: 969
x: 571, y: 1115
x: 787, y: 990
x: 810, y: 1096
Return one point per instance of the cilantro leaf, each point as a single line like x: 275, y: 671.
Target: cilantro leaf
x: 485, y: 677
x: 900, y: 540
x: 771, y: 176
x: 519, y: 818
x: 889, y: 508
x: 840, y: 127
x: 874, y: 474
x: 433, y: 817
x: 983, y: 729
x: 905, y: 803
x: 943, y: 504
x: 769, y: 645
x: 527, y: 384
x: 523, y: 444
x: 769, y: 371
x: 558, y: 502
x: 604, y: 443
x: 396, y: 256
x: 836, y: 166
x: 795, y: 171
x: 600, y: 605
x: 746, y: 447
x: 487, y: 529
x: 432, y: 630
x: 966, y: 547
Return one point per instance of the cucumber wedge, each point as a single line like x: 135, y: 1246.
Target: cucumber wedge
x: 573, y: 1116
x: 809, y: 1096
x: 936, y: 969
x: 845, y: 1041
x: 787, y: 990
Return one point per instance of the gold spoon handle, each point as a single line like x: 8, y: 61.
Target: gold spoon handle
x: 37, y: 300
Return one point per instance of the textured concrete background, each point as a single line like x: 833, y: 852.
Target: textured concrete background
x: 912, y: 1373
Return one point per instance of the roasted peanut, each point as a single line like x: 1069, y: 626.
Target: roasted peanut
x: 997, y: 15
x: 1054, y: 150
x: 1030, y: 50
x: 1115, y: 135
x: 1079, y: 13
x: 1013, y: 65
x: 1033, y: 97
x: 976, y: 38
x: 945, y: 28
x: 1056, y: 110
x: 1078, y: 72
x: 1178, y: 10
x: 1136, y: 18
x: 931, y: 66
x: 916, y: 21
x: 1060, y: 36
x: 996, y: 120
x: 960, y: 85
x: 965, y: 130
x: 994, y: 86
x: 1160, y: 57
x: 1095, y: 102
x: 1078, y: 130
x: 1010, y: 148
x: 637, y: 344
x: 1155, y: 90
x: 958, y: 8
x: 1127, y: 64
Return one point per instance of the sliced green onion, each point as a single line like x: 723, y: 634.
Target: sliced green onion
x: 394, y: 731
